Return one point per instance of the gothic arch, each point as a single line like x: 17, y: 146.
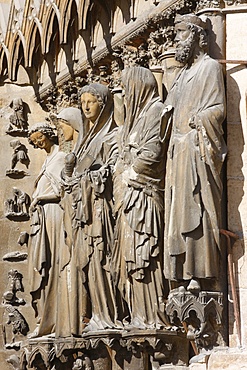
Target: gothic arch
x: 80, y: 48
x: 66, y: 18
x: 118, y: 19
x: 17, y: 53
x: 99, y: 23
x: 83, y: 8
x: 4, y: 57
x: 53, y: 15
x: 34, y: 32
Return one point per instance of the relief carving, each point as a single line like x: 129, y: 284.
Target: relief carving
x: 19, y: 155
x: 124, y: 245
x: 19, y: 328
x: 14, y: 286
x: 18, y: 119
x: 17, y: 208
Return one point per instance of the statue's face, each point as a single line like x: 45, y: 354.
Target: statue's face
x: 185, y: 42
x: 41, y: 141
x: 182, y: 32
x: 90, y: 106
x: 67, y: 130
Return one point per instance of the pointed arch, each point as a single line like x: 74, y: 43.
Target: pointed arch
x: 121, y: 15
x: 83, y: 9
x: 4, y: 57
x: 34, y: 32
x: 52, y: 17
x: 118, y: 20
x: 16, y: 54
x: 99, y: 22
x: 69, y: 15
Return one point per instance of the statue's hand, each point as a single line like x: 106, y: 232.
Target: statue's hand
x: 33, y: 205
x: 70, y: 161
x: 98, y: 179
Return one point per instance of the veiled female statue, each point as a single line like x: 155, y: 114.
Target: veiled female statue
x: 48, y: 253
x: 138, y: 192
x: 88, y: 177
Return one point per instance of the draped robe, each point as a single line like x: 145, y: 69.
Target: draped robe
x: 138, y: 193
x: 193, y: 184
x: 48, y: 252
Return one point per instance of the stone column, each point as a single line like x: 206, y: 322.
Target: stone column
x: 236, y: 82
x: 158, y: 74
x: 170, y: 69
x: 212, y: 11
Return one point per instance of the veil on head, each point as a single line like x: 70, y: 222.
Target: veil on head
x: 140, y: 89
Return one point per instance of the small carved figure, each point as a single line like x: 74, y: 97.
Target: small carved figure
x: 82, y: 363
x: 14, y: 286
x: 17, y: 118
x: 19, y: 205
x: 48, y: 253
x: 20, y: 154
x: 138, y: 193
x: 104, y: 78
x: 21, y: 200
x: 195, y: 156
x: 18, y: 322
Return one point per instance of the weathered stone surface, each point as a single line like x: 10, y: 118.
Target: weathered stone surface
x: 228, y: 360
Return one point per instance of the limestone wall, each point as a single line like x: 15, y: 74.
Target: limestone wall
x: 236, y: 82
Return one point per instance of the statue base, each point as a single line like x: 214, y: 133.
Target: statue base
x: 104, y: 350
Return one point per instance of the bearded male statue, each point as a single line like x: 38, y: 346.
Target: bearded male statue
x: 195, y: 156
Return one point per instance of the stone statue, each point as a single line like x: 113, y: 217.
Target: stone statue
x: 88, y: 177
x: 19, y: 154
x: 138, y: 193
x: 195, y: 156
x: 17, y: 119
x: 18, y: 205
x: 48, y: 253
x: 21, y: 199
x: 68, y: 123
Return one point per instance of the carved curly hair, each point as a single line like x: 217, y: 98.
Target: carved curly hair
x: 46, y: 129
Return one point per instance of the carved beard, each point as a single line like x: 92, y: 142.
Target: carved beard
x: 185, y: 49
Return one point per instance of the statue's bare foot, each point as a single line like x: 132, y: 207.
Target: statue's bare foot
x: 194, y: 286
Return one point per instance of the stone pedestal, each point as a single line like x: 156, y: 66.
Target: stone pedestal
x: 138, y: 349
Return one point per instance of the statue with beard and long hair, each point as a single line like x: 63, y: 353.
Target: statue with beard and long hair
x: 196, y: 152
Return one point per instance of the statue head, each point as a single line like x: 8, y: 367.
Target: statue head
x: 17, y: 104
x: 92, y: 99
x: 42, y: 135
x: 190, y: 37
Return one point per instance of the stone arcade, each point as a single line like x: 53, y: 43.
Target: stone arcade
x: 123, y: 217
